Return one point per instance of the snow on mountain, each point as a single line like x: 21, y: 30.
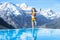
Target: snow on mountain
x: 16, y: 15
x: 11, y: 14
x: 43, y: 17
x: 23, y: 6
x: 58, y: 15
x: 11, y: 7
x: 49, y: 14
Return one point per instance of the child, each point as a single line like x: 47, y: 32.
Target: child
x: 33, y: 17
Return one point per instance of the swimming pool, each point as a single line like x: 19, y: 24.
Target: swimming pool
x: 27, y: 34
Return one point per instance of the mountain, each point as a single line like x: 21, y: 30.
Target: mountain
x: 23, y: 6
x: 19, y: 16
x: 11, y: 14
x: 49, y: 14
x: 5, y: 25
x: 54, y: 24
x: 12, y: 7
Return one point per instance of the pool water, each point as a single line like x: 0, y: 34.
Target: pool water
x: 27, y: 34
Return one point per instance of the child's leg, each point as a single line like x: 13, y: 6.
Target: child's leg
x: 35, y: 24
x: 32, y: 24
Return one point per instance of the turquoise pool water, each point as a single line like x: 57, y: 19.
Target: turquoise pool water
x: 27, y: 34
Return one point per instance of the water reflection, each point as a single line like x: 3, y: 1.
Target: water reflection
x: 27, y: 34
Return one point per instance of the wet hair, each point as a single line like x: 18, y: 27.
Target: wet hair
x: 34, y: 10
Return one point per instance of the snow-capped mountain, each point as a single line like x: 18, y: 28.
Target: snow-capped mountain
x: 23, y: 6
x: 49, y: 14
x: 19, y: 15
x: 11, y: 14
x: 11, y: 7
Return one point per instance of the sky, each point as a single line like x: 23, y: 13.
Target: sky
x: 43, y: 4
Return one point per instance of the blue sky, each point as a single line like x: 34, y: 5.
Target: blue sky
x: 43, y: 4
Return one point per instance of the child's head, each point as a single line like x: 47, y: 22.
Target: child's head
x: 33, y: 10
